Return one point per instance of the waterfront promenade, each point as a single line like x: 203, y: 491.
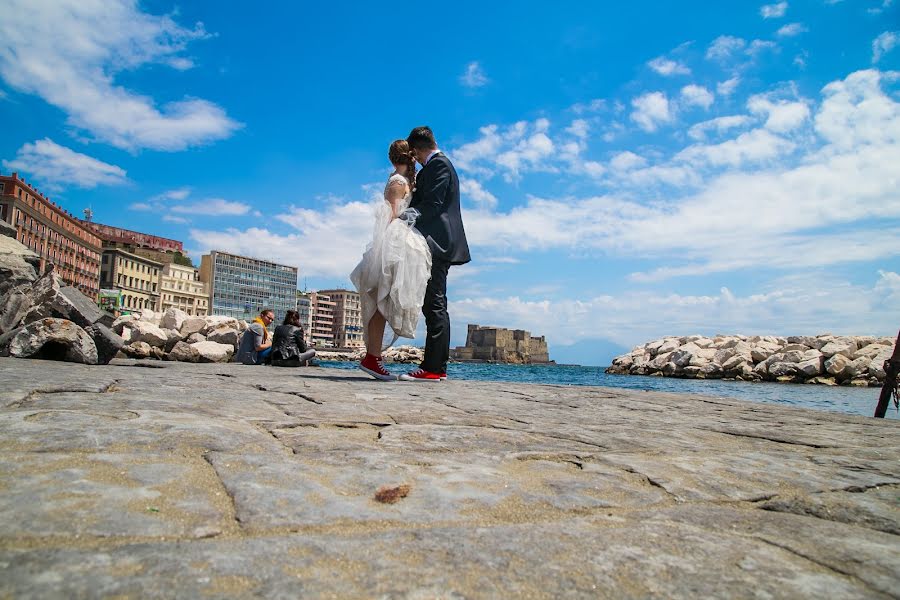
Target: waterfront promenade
x: 160, y: 479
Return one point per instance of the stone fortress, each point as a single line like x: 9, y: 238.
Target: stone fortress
x: 496, y: 344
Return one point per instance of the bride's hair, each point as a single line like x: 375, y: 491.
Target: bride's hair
x: 399, y: 154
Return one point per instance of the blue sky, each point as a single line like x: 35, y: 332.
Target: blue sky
x: 629, y: 170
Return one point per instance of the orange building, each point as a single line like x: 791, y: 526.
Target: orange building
x: 58, y: 237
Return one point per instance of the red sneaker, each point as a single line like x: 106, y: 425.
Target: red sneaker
x: 421, y: 375
x: 374, y: 366
x: 443, y: 376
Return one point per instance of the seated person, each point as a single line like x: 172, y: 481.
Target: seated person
x: 256, y: 345
x: 288, y: 346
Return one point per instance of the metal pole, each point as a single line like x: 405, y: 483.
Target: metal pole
x: 891, y: 369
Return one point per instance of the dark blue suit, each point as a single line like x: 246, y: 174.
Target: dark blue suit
x: 437, y: 199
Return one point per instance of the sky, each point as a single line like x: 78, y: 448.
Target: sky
x: 629, y: 170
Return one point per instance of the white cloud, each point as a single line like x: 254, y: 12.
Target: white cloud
x: 883, y: 44
x: 214, y: 207
x: 625, y: 161
x: 142, y: 206
x: 520, y: 148
x: 758, y: 46
x: 782, y: 115
x: 175, y: 219
x: 668, y: 67
x: 471, y: 188
x: 877, y: 10
x: 727, y: 87
x: 176, y: 194
x: 696, y: 95
x: 803, y: 305
x: 773, y: 11
x: 59, y: 167
x: 651, y: 110
x: 69, y: 52
x: 791, y: 30
x: 719, y: 125
x: 474, y: 76
x: 724, y: 47
x: 764, y: 193
x: 344, y: 229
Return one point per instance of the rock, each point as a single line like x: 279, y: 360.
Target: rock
x: 224, y: 335
x: 735, y: 363
x: 859, y: 382
x: 876, y: 367
x: 703, y: 342
x: 844, y: 346
x: 870, y: 351
x: 18, y: 264
x: 138, y: 350
x: 214, y: 352
x: 659, y: 361
x: 671, y: 368
x: 799, y: 347
x: 794, y: 356
x: 144, y: 331
x: 54, y: 339
x: 173, y: 338
x: 805, y: 340
x: 822, y: 380
x: 184, y: 352
x: 838, y: 365
x: 763, y: 350
x: 51, y: 297
x: 711, y: 371
x: 858, y: 367
x: 782, y: 369
x: 147, y: 316
x: 761, y: 370
x: 194, y: 338
x: 6, y: 339
x: 120, y: 323
x: 691, y: 371
x: 811, y: 367
x: 14, y: 305
x: 217, y: 321
x: 723, y: 355
x: 681, y: 358
x: 669, y: 345
x: 107, y: 342
x: 192, y: 325
x: 173, y: 318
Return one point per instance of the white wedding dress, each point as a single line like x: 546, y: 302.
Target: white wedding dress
x: 394, y: 271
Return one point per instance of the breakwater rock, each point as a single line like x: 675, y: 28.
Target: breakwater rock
x: 395, y: 354
x: 824, y: 359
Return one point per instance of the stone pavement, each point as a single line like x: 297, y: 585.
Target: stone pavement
x: 164, y: 480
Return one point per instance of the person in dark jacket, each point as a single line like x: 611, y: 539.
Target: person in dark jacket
x: 288, y: 346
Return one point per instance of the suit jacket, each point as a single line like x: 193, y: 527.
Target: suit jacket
x: 437, y: 199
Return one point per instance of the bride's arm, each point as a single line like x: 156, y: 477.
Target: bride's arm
x: 395, y: 193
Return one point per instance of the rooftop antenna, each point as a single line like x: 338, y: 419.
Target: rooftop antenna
x: 88, y: 214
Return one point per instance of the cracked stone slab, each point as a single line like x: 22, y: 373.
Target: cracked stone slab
x: 295, y: 492
x: 747, y: 476
x: 572, y: 559
x: 876, y: 508
x: 858, y: 553
x: 88, y: 431
x: 110, y: 495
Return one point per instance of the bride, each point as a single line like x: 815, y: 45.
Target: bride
x: 393, y: 272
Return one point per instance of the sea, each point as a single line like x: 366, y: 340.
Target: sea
x: 851, y: 400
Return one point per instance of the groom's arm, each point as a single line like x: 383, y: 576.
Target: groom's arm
x: 434, y: 194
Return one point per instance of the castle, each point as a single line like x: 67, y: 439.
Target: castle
x: 496, y: 344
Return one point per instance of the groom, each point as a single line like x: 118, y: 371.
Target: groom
x: 436, y: 197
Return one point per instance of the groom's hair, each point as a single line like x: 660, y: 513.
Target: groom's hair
x: 421, y: 138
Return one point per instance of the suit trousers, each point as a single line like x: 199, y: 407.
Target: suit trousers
x: 437, y: 320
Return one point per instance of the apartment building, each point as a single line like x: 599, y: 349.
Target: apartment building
x: 136, y: 276
x: 321, y: 331
x: 346, y: 329
x: 180, y: 287
x: 241, y: 286
x: 304, y: 307
x: 53, y: 233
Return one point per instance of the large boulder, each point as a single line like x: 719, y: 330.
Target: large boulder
x: 669, y: 345
x: 845, y: 346
x: 217, y: 321
x: 173, y: 318
x: 148, y: 315
x: 54, y: 339
x: 173, y: 338
x: 781, y: 369
x: 212, y: 352
x: 876, y: 367
x: 144, y: 331
x: 18, y: 264
x: 184, y: 352
x: 870, y: 351
x: 192, y: 325
x: 711, y: 370
x: 224, y: 335
x: 838, y: 365
x: 14, y: 305
x: 194, y: 338
x: 108, y: 343
x: 811, y: 367
x: 124, y: 321
x: 761, y: 350
x: 138, y: 350
x: 51, y: 297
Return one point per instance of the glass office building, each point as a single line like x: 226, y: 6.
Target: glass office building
x: 240, y: 286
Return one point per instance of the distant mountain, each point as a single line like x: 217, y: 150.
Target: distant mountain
x: 594, y: 352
